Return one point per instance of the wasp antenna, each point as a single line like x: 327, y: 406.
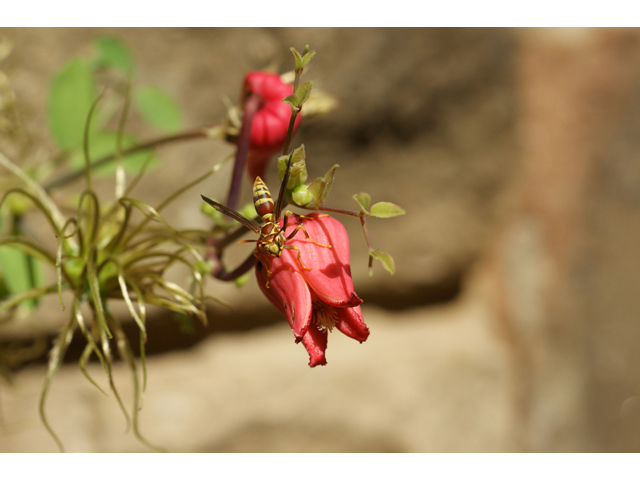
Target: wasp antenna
x: 250, y: 224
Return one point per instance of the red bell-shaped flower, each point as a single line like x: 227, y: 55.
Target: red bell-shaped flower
x: 271, y: 120
x: 317, y: 300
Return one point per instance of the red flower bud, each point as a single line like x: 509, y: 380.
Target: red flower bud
x: 314, y: 301
x: 270, y: 122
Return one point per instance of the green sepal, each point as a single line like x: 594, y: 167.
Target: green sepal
x: 364, y: 200
x: 386, y: 210
x: 301, y: 196
x: 321, y: 186
x: 386, y: 260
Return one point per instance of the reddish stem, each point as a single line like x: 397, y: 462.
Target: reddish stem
x: 253, y: 103
x: 221, y: 273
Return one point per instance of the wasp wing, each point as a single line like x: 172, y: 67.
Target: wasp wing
x: 250, y: 224
x: 283, y: 187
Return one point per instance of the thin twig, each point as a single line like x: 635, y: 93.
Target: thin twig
x: 201, y: 132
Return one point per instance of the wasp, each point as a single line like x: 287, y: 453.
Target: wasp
x: 272, y: 240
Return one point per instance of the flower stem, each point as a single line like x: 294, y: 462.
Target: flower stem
x: 253, y: 103
x: 327, y: 208
x: 221, y: 273
x: 292, y: 121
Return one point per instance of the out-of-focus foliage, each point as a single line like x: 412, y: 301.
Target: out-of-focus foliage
x: 74, y: 89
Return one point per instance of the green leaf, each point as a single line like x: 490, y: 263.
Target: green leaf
x: 303, y: 92
x: 386, y: 210
x: 364, y: 200
x: 291, y: 100
x: 71, y: 95
x: 20, y: 272
x: 158, y: 108
x: 102, y: 144
x: 386, y: 260
x: 297, y: 57
x: 307, y: 58
x: 112, y: 52
x: 298, y: 167
x: 321, y: 186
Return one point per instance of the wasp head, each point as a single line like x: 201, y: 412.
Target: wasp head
x: 273, y: 247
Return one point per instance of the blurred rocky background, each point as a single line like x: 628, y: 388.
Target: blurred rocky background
x: 513, y: 318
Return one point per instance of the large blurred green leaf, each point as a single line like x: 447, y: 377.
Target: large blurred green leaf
x: 70, y: 97
x: 158, y: 108
x: 102, y: 144
x: 112, y: 52
x: 20, y: 272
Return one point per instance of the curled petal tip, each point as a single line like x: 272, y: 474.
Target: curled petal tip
x: 354, y: 300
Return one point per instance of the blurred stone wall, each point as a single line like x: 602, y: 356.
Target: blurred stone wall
x: 511, y: 321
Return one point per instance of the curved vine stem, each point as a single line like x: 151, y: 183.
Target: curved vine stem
x: 202, y: 132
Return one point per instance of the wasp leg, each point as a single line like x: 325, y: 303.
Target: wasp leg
x: 301, y: 227
x: 246, y: 241
x: 291, y: 247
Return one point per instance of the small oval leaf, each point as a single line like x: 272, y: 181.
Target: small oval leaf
x: 386, y: 260
x: 364, y: 200
x: 303, y: 92
x: 386, y: 210
x: 291, y: 100
x: 307, y: 58
x: 297, y: 57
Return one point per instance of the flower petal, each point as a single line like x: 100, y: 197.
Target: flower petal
x: 330, y: 274
x: 350, y: 323
x: 288, y: 292
x: 315, y: 341
x: 271, y: 121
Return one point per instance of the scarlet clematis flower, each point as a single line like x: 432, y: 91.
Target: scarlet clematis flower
x: 271, y: 120
x: 317, y: 300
